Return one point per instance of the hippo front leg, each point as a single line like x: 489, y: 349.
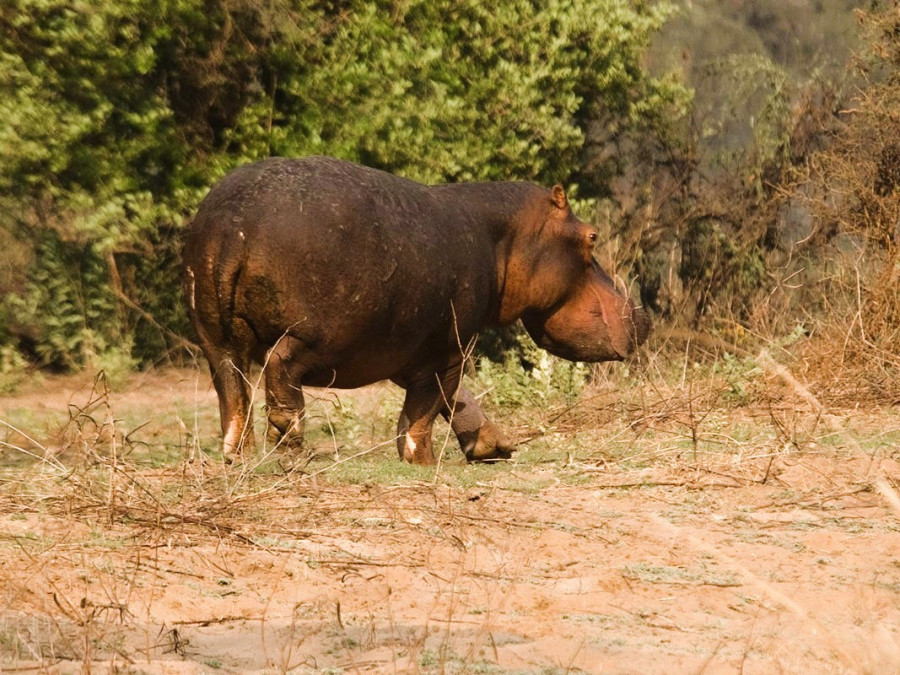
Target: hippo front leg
x: 479, y: 438
x: 426, y: 397
x: 284, y: 395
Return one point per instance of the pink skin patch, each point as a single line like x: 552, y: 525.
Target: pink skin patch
x: 410, y: 446
x: 232, y: 437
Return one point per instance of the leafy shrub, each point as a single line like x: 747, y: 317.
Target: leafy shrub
x: 119, y: 114
x: 527, y: 375
x: 13, y: 370
x: 67, y: 302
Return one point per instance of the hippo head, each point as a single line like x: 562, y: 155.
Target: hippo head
x: 575, y: 310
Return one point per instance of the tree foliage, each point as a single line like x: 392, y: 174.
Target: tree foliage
x: 118, y: 114
x: 700, y: 215
x: 851, y: 252
x: 772, y: 209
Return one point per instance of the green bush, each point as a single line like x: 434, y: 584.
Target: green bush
x: 68, y: 303
x: 119, y: 114
x: 524, y: 374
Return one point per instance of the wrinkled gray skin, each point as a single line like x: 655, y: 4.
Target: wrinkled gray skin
x: 334, y: 274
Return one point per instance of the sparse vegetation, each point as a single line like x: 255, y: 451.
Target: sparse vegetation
x: 625, y: 507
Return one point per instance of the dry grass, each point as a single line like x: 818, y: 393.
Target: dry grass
x: 126, y: 544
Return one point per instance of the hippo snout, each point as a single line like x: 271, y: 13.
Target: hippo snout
x: 627, y: 326
x: 591, y: 327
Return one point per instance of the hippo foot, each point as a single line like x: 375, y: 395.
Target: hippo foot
x: 486, y: 444
x: 415, y: 453
x: 236, y: 445
x: 285, y: 428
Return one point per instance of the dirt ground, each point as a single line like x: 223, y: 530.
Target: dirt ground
x: 767, y: 560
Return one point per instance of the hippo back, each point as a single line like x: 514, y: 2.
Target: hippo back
x: 370, y: 271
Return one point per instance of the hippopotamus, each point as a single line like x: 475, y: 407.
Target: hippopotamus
x: 333, y: 274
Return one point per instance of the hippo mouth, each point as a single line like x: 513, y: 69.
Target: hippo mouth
x: 628, y: 329
x: 582, y: 342
x: 627, y: 326
x: 604, y: 331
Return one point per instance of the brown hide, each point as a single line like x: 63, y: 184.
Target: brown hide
x: 334, y: 274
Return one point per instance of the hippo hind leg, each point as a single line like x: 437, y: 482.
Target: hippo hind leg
x: 230, y: 381
x: 284, y: 394
x: 479, y: 438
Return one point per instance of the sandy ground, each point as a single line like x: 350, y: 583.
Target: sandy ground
x: 791, y: 565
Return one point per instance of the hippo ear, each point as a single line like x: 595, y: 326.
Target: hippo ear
x: 558, y: 197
